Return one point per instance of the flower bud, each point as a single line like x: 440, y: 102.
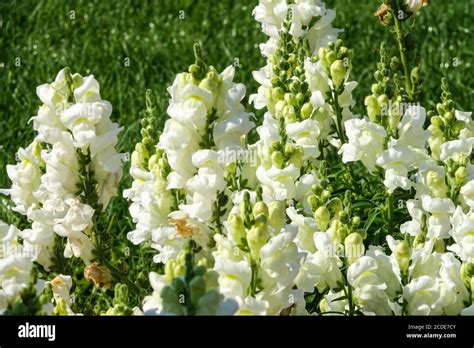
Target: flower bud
x: 377, y: 89
x: 277, y: 159
x: 338, y: 72
x: 322, y: 56
x: 373, y: 109
x: 354, y: 247
x: 355, y: 221
x: 341, y: 233
x: 331, y: 57
x: 436, y: 184
x: 335, y: 206
x: 171, y: 301
x: 306, y: 110
x: 437, y: 121
x: 208, y: 304
x: 277, y: 215
x: 297, y: 157
x: 322, y: 217
x: 197, y: 288
x: 343, y: 217
x: 460, y: 175
x: 236, y: 228
x: 402, y: 255
x: 278, y: 93
x: 256, y: 239
x: 260, y: 208
x: 314, y: 202
x: 290, y: 99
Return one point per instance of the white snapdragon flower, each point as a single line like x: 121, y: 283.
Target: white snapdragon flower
x: 467, y: 194
x: 305, y: 134
x: 25, y: 177
x: 463, y: 234
x: 414, y: 6
x: 322, y: 268
x: 61, y: 286
x: 374, y: 282
x: 278, y: 184
x: 366, y: 142
x: 440, y: 210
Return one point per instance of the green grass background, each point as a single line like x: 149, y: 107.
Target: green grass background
x: 158, y: 44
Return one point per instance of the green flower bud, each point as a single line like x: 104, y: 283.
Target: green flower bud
x: 338, y: 72
x: 169, y: 270
x: 437, y: 184
x: 306, y: 110
x: 278, y: 93
x: 297, y: 157
x: 437, y: 121
x: 382, y: 100
x: 419, y: 241
x: 300, y: 97
x: 402, y: 255
x: 277, y: 215
x: 335, y: 206
x: 343, y: 217
x: 341, y: 233
x: 415, y: 75
x: 121, y: 294
x: 394, y: 63
x: 373, y: 109
x: 278, y: 160
x: 290, y: 99
x: 331, y: 57
x: 440, y: 108
x: 260, y: 208
x: 460, y: 175
x: 355, y: 221
x: 256, y: 239
x: 322, y: 56
x: 236, y: 228
x: 171, y: 301
x: 197, y: 288
x: 314, y: 202
x: 377, y: 89
x: 354, y: 247
x: 449, y: 116
x: 322, y: 217
x: 325, y: 195
x: 209, y: 303
x: 289, y: 150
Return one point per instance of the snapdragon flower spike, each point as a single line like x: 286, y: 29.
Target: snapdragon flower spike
x: 70, y: 171
x: 179, y: 192
x: 188, y: 287
x: 256, y: 258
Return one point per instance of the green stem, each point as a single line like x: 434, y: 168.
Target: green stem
x: 338, y: 111
x: 389, y: 206
x: 403, y: 56
x: 253, y: 280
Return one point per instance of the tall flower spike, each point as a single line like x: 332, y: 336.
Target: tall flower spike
x: 72, y: 166
x: 180, y: 193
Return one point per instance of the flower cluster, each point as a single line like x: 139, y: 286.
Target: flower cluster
x: 183, y: 175
x: 337, y: 214
x: 70, y: 171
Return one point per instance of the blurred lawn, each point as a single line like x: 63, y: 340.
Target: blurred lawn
x: 157, y: 39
